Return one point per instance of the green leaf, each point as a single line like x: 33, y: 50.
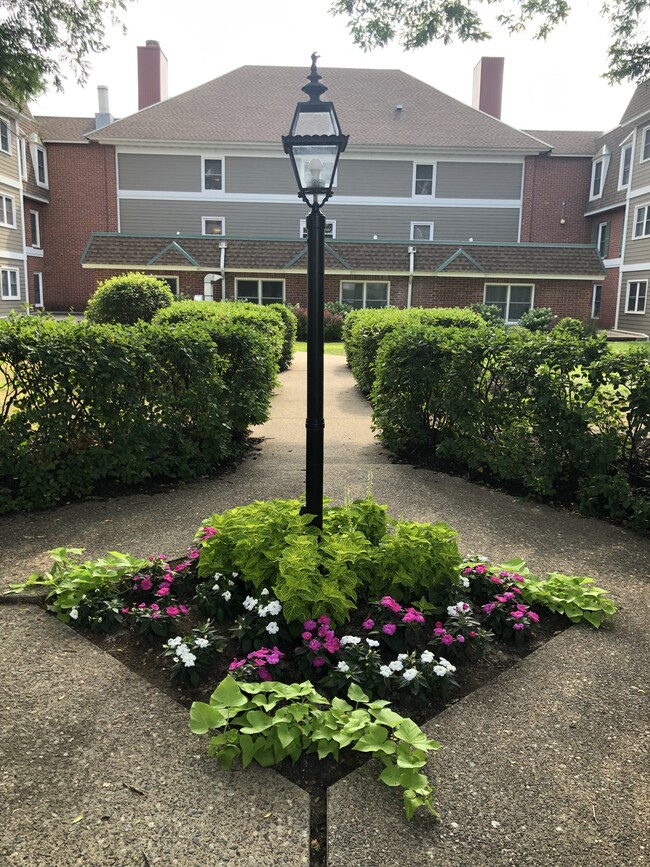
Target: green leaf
x: 408, y: 759
x: 412, y: 780
x: 412, y: 734
x: 391, y: 775
x: 341, y: 704
x: 228, y: 694
x: 388, y: 717
x: 593, y: 618
x: 356, y: 694
x: 258, y: 721
x: 247, y: 746
x: 227, y: 755
x: 204, y: 717
x: 375, y: 740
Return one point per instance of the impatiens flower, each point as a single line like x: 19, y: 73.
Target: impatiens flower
x: 402, y: 656
x: 236, y: 663
x: 183, y: 609
x: 314, y: 645
x: 439, y: 630
x: 174, y: 642
x: 396, y: 665
x: 310, y: 625
x: 447, y: 639
x: 306, y: 636
x: 447, y: 664
x: 495, y: 580
x: 264, y: 592
x: 413, y: 616
x: 389, y: 628
x: 332, y: 645
x: 193, y: 553
x: 517, y: 625
x: 440, y: 670
x: 272, y: 627
x: 146, y: 584
x: 350, y: 639
x: 517, y: 615
x: 124, y: 610
x: 201, y: 642
x: 427, y: 656
x: 172, y: 611
x: 263, y: 674
x: 368, y: 624
x: 249, y: 603
x: 227, y: 595
x: 154, y: 606
x: 371, y: 642
x: 274, y: 608
x: 534, y: 617
x: 74, y: 613
x: 142, y: 605
x: 410, y: 674
x: 460, y: 639
x: 480, y: 569
x: 389, y: 602
x: 517, y: 577
x: 472, y: 634
x: 342, y: 666
x: 317, y: 661
x: 188, y: 660
x: 489, y: 608
x: 385, y: 671
x: 155, y: 615
x: 464, y: 581
x: 163, y: 590
x: 324, y: 620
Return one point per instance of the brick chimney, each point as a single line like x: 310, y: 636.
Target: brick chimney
x: 488, y: 85
x: 152, y: 74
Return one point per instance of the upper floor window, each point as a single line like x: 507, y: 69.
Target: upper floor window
x: 330, y: 229
x: 38, y: 289
x: 22, y: 158
x: 5, y: 136
x: 421, y: 231
x: 10, y: 284
x: 423, y: 185
x: 212, y: 174
x: 513, y: 300
x: 637, y: 293
x: 595, y: 300
x: 626, y: 162
x: 645, y: 144
x: 597, y: 178
x: 213, y: 225
x: 7, y: 212
x: 602, y: 239
x: 361, y: 294
x: 260, y: 291
x: 641, y: 222
x: 41, y: 167
x: 35, y: 226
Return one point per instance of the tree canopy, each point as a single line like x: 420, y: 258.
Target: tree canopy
x: 40, y: 38
x: 415, y: 23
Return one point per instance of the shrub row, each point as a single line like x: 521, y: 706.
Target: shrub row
x: 81, y: 403
x: 554, y: 414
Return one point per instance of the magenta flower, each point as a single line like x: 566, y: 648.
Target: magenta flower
x: 460, y: 639
x: 172, y: 611
x: 154, y: 607
x: 389, y: 628
x: 332, y: 645
x: 155, y: 615
x: 184, y: 609
x: 517, y: 625
x: 517, y: 577
x: 534, y: 617
x: 146, y: 584
x: 163, y: 590
x: 314, y: 645
x: 517, y: 615
x: 389, y: 602
x: 495, y: 580
x: 472, y: 634
x: 236, y: 663
x: 489, y: 608
x: 310, y: 625
x: 306, y: 636
x: 516, y: 590
x: 324, y: 620
x: 439, y: 630
x: 142, y: 605
x: 480, y: 569
x: 207, y: 532
x: 124, y: 610
x: 467, y: 571
x: 413, y: 616
x: 368, y: 624
x: 263, y: 674
x: 447, y: 639
x: 504, y: 574
x: 323, y: 631
x: 318, y: 661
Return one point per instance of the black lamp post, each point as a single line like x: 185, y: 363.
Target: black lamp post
x: 314, y: 145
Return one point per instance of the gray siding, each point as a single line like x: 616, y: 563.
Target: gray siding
x: 354, y: 222
x: 640, y: 171
x: 12, y: 239
x: 7, y: 306
x: 635, y: 322
x: 384, y: 178
x: 167, y: 172
x: 636, y: 250
x: 478, y: 180
x: 9, y: 162
x: 267, y: 175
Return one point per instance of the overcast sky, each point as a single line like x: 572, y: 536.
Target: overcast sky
x: 555, y: 84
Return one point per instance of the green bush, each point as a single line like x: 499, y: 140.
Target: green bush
x: 128, y: 298
x: 490, y: 313
x: 332, y: 322
x: 537, y: 319
x: 82, y: 403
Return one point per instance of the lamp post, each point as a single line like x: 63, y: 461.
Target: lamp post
x: 314, y: 145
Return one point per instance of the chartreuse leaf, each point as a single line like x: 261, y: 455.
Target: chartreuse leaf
x: 356, y: 694
x: 375, y: 740
x: 407, y: 758
x: 247, y: 745
x: 391, y: 775
x: 411, y: 734
x: 228, y: 694
x: 388, y: 717
x: 204, y: 717
x: 258, y: 721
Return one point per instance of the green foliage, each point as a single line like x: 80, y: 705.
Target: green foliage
x: 537, y: 319
x: 272, y: 545
x: 84, y: 588
x: 490, y: 313
x: 127, y: 299
x: 576, y: 598
x: 333, y: 319
x: 82, y: 402
x: 269, y: 722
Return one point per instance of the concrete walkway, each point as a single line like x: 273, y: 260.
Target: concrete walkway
x: 548, y: 766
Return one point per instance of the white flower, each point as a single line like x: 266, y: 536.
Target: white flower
x: 217, y: 575
x: 440, y: 670
x: 274, y: 608
x: 227, y: 595
x: 183, y: 650
x: 249, y: 603
x: 188, y: 660
x: 458, y: 608
x: 262, y: 611
x: 235, y: 574
x: 201, y: 642
x: 427, y: 656
x: 272, y: 627
x: 410, y: 674
x: 396, y: 665
x: 264, y: 592
x: 174, y: 642
x: 447, y: 664
x: 216, y: 587
x: 402, y: 655
x: 371, y: 642
x: 350, y: 639
x: 342, y: 666
x: 386, y: 671
x: 74, y: 613
x: 464, y: 580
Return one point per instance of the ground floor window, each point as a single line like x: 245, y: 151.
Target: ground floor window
x: 364, y: 294
x: 10, y: 284
x: 637, y: 292
x: 595, y: 300
x: 172, y: 282
x: 260, y: 291
x: 38, y: 289
x: 512, y: 299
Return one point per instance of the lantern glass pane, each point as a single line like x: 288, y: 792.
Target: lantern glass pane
x: 316, y: 165
x: 314, y: 123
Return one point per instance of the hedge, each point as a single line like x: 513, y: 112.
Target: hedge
x: 554, y: 415
x: 275, y: 321
x: 364, y: 330
x: 82, y: 403
x: 128, y: 298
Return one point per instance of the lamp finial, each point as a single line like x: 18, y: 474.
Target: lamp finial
x: 314, y: 89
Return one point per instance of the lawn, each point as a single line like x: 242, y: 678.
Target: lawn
x: 330, y: 348
x: 626, y: 345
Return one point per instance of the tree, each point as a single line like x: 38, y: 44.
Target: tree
x: 39, y: 37
x: 415, y: 23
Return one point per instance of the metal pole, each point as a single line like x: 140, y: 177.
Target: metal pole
x: 315, y: 422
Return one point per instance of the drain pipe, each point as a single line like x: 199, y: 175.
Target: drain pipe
x: 223, y: 246
x: 208, y: 286
x: 409, y: 295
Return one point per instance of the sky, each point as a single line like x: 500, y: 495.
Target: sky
x: 556, y: 84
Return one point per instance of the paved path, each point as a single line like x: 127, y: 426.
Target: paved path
x: 549, y: 768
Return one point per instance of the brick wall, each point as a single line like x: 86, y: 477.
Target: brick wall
x: 548, y: 183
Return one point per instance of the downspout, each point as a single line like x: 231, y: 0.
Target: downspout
x: 223, y: 245
x: 626, y: 217
x: 409, y: 294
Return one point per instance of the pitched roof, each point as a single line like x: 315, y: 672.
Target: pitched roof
x: 484, y: 260
x: 610, y: 142
x: 567, y: 142
x: 65, y: 129
x: 256, y: 103
x: 639, y: 104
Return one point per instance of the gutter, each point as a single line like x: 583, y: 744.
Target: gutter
x: 409, y: 295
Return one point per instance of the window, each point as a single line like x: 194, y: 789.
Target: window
x: 10, y: 284
x: 41, y: 167
x: 597, y: 172
x: 38, y: 289
x: 595, y: 300
x: 641, y: 222
x: 5, y: 136
x: 22, y: 158
x: 645, y: 144
x: 421, y: 231
x: 260, y: 291
x: 7, y: 212
x: 213, y: 225
x: 35, y: 226
x: 212, y: 174
x: 423, y: 180
x: 513, y: 300
x: 626, y: 162
x: 172, y: 282
x: 602, y: 239
x: 637, y: 292
x: 330, y: 229
x: 362, y: 295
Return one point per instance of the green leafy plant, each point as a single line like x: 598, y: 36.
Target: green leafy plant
x: 192, y: 653
x: 537, y: 319
x: 128, y: 298
x: 576, y: 598
x: 268, y: 722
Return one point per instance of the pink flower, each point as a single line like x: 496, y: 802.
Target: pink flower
x: 124, y: 610
x: 155, y: 615
x: 389, y: 602
x: 368, y: 624
x: 184, y: 609
x: 413, y: 616
x: 438, y: 624
x: 142, y: 605
x: 163, y: 590
x: 172, y: 611
x: 323, y: 631
x: 193, y: 553
x: 460, y: 639
x: 136, y: 578
x: 447, y: 639
x: 324, y: 620
x: 208, y: 531
x: 517, y: 615
x: 480, y: 569
x: 517, y: 577
x: 318, y: 661
x: 516, y: 590
x: 517, y: 625
x: 534, y: 617
x: 504, y: 574
x: 306, y: 636
x: 389, y: 628
x: 263, y: 674
x: 495, y: 580
x: 154, y: 607
x: 310, y: 625
x: 236, y: 663
x: 439, y: 630
x: 332, y: 645
x: 314, y: 645
x: 467, y: 571
x: 489, y: 608
x: 472, y: 635
x: 146, y: 584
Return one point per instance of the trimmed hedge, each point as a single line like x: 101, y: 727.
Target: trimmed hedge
x: 332, y: 324
x: 554, y: 414
x: 128, y: 298
x: 364, y: 330
x: 275, y: 321
x: 82, y: 403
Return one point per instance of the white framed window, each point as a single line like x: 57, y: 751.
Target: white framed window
x: 423, y: 178
x: 7, y: 212
x: 10, y: 282
x: 41, y: 166
x: 635, y: 298
x: 645, y: 144
x: 512, y: 299
x: 602, y: 239
x: 421, y: 231
x: 597, y: 178
x: 260, y: 291
x: 363, y: 294
x: 596, y: 296
x: 212, y: 173
x: 22, y: 158
x: 35, y: 226
x: 626, y: 165
x: 38, y: 289
x: 330, y: 228
x: 213, y: 226
x: 641, y: 227
x: 172, y: 282
x: 5, y: 136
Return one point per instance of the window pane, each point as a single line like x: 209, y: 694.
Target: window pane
x: 172, y: 282
x: 38, y: 298
x: 4, y: 136
x: 646, y: 144
x: 598, y: 173
x: 517, y: 310
x: 40, y: 159
x: 352, y: 293
x: 376, y: 294
x: 213, y: 227
x: 271, y: 291
x: 247, y: 290
x: 496, y: 294
x: 9, y: 208
x: 213, y: 174
x: 423, y: 180
x: 627, y: 159
x: 520, y: 294
x: 595, y: 304
x: 421, y: 232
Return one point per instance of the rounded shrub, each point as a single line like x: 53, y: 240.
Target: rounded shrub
x: 537, y: 319
x: 128, y: 298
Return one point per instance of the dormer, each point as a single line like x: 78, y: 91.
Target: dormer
x: 599, y: 173
x: 39, y: 160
